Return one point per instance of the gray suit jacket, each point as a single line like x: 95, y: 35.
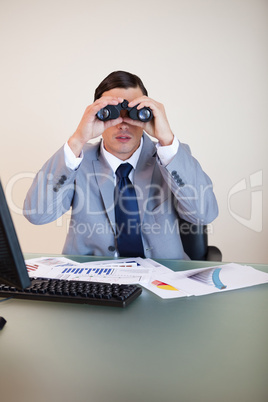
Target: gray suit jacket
x: 165, y: 193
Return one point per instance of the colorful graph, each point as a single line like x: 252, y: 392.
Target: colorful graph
x: 88, y: 271
x: 164, y: 286
x: 210, y: 277
x: 32, y: 267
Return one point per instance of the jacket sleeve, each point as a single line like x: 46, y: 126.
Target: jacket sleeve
x: 191, y: 186
x: 51, y: 192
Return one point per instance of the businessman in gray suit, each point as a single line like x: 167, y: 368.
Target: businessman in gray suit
x: 169, y: 182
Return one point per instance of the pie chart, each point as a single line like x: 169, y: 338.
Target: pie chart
x: 163, y: 285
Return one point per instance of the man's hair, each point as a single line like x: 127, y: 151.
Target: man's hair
x: 119, y: 79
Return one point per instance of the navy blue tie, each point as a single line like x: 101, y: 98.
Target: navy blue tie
x: 127, y: 217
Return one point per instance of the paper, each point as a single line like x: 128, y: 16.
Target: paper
x: 203, y: 281
x: 38, y: 267
x: 122, y: 271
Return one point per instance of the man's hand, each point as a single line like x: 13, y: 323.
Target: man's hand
x: 90, y: 126
x: 158, y: 127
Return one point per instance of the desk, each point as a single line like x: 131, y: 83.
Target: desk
x: 199, y: 349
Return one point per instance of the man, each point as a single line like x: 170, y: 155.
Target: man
x: 169, y: 183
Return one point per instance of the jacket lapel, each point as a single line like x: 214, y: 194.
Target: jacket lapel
x: 143, y: 174
x: 105, y: 180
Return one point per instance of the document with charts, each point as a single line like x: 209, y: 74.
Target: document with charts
x: 123, y: 271
x: 196, y: 282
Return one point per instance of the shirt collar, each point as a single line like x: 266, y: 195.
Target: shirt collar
x: 114, y: 162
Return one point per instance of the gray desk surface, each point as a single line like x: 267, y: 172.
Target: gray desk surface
x: 208, y: 348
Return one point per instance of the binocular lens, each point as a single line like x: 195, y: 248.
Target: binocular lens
x: 103, y: 114
x: 113, y: 111
x: 144, y: 114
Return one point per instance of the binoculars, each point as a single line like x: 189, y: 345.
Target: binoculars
x: 113, y: 111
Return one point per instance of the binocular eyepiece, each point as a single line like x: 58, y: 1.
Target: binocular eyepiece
x: 110, y: 112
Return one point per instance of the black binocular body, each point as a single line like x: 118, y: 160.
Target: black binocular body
x: 110, y: 112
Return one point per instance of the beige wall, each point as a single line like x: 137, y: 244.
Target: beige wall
x: 206, y: 60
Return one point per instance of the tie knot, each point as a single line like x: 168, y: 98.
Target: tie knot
x: 123, y: 170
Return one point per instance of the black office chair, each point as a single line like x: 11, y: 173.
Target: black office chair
x: 195, y: 242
